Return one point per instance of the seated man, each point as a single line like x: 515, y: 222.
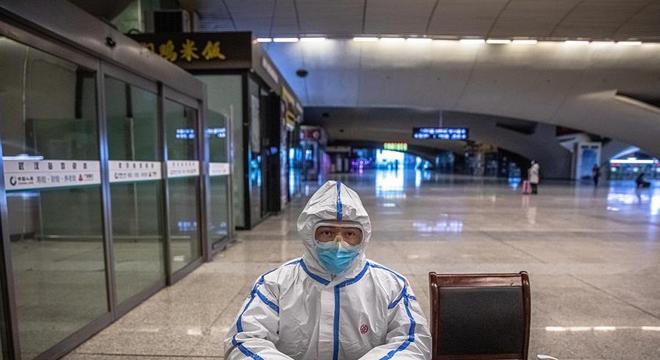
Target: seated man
x: 332, y: 303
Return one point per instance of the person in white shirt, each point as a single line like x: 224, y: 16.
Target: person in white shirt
x: 534, y: 177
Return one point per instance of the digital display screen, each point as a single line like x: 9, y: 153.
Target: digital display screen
x: 440, y: 133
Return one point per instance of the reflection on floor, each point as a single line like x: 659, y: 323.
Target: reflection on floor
x: 593, y: 258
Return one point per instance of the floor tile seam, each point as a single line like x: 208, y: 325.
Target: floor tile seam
x: 217, y: 318
x: 622, y: 221
x: 224, y: 311
x: 613, y: 296
x: 515, y: 247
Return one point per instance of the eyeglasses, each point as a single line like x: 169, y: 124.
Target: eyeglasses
x: 351, y: 235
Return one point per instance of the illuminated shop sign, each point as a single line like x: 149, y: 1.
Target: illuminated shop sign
x: 440, y: 133
x: 395, y: 146
x: 200, y: 50
x: 187, y: 50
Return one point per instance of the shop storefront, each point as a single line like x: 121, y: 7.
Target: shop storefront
x: 290, y: 150
x: 315, y: 161
x: 108, y: 192
x: 246, y: 89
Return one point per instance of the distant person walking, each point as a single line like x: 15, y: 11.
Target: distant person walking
x: 640, y: 182
x: 595, y: 174
x: 533, y: 176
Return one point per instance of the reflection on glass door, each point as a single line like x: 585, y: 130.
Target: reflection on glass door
x: 216, y: 133
x: 255, y: 174
x: 183, y: 180
x: 52, y: 177
x: 136, y: 197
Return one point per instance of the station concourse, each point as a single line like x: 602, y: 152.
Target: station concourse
x: 155, y: 156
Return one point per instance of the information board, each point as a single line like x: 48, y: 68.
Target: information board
x: 182, y: 168
x: 440, y: 133
x: 131, y: 171
x: 44, y: 174
x: 218, y: 169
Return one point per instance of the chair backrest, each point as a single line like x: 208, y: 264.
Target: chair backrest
x: 480, y: 316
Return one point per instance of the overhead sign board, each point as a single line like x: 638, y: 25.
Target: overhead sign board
x: 440, y: 133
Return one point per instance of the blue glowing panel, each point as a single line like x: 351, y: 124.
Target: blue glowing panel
x: 185, y: 133
x: 217, y: 132
x: 440, y: 133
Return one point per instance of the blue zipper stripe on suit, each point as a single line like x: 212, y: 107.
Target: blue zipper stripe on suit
x: 335, y: 332
x: 340, y: 207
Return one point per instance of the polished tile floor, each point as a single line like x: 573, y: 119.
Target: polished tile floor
x: 593, y: 258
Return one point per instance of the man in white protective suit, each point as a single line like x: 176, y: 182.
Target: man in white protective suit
x: 333, y: 303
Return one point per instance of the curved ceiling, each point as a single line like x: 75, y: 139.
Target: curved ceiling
x: 597, y: 19
x: 575, y: 86
x: 571, y: 85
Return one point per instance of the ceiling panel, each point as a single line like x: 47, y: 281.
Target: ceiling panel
x: 251, y: 15
x: 213, y: 15
x: 336, y: 17
x: 618, y: 19
x: 284, y: 20
x: 522, y: 82
x: 431, y: 75
x: 216, y: 24
x: 389, y: 17
x: 645, y: 23
x: 334, y: 72
x: 599, y: 18
x: 465, y: 17
x: 533, y: 18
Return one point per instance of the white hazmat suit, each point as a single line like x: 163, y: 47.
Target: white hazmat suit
x: 301, y: 311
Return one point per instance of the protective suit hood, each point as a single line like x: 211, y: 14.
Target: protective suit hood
x: 333, y: 201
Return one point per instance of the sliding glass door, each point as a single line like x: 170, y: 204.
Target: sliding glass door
x: 183, y: 171
x: 135, y: 187
x: 49, y: 135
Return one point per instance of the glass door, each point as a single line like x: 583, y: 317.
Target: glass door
x: 183, y: 170
x: 135, y: 188
x: 50, y: 143
x: 255, y: 173
x: 218, y: 208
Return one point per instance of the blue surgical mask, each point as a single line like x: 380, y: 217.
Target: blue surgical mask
x: 336, y: 258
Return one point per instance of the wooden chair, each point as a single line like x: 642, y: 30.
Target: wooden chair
x: 480, y: 316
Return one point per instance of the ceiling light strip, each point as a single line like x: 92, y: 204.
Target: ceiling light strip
x: 498, y: 41
x: 471, y: 41
x: 576, y: 42
x: 313, y: 39
x: 365, y: 39
x: 465, y: 40
x: 286, y: 40
x: 524, y: 42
